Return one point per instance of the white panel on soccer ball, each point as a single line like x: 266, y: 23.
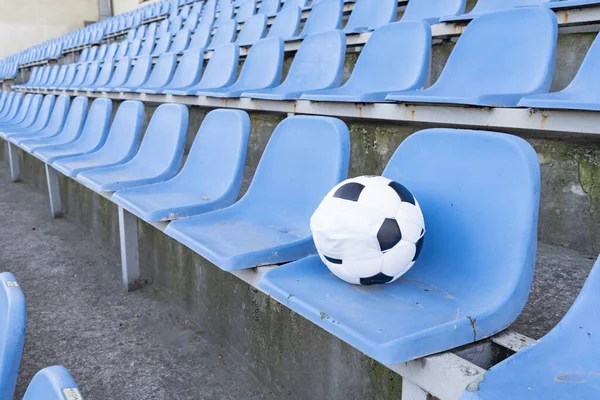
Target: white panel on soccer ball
x: 410, y: 213
x: 339, y: 271
x: 395, y: 278
x: 410, y: 232
x: 399, y: 259
x: 346, y: 247
x: 364, y: 268
x: 379, y: 196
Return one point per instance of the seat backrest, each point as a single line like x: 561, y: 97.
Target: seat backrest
x: 11, y: 108
x: 225, y: 14
x: 59, y: 114
x: 52, y: 76
x: 84, y: 54
x: 189, y: 69
x: 162, y: 147
x: 286, y: 22
x: 106, y: 73
x: 586, y: 79
x: 162, y: 72
x: 124, y: 135
x: 263, y: 65
x: 75, y: 119
x: 92, y: 74
x: 147, y: 48
x: 319, y: 61
x: 12, y: 332
x: 201, y: 37
x: 80, y: 75
x: 92, y: 53
x: 181, y: 41
x: 70, y: 75
x: 396, y: 57
x: 474, y: 188
x: 163, y: 44
x: 222, y: 67
x: 34, y: 108
x: 62, y: 72
x: 52, y: 383
x: 175, y: 25
x: 489, y: 6
x: 44, y: 113
x: 96, y: 124
x: 140, y: 72
x: 140, y: 32
x: 44, y: 76
x: 325, y: 16
x: 432, y: 10
x: 305, y: 157
x: 35, y: 73
x: 269, y: 7
x: 208, y: 16
x: 216, y: 161
x: 484, y: 60
x: 134, y: 48
x: 111, y: 52
x: 294, y: 3
x: 151, y: 31
x: 101, y: 53
x: 224, y: 34
x: 367, y: 15
x: 191, y: 22
x: 122, y: 50
x: 253, y: 30
x: 246, y: 10
x: 121, y: 73
x: 23, y: 109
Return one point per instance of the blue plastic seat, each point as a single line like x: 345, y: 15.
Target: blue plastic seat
x: 84, y: 54
x: 305, y: 157
x: 561, y: 365
x: 324, y: 17
x: 201, y: 37
x: 41, y: 119
x: 581, y: 94
x: 90, y: 139
x: 119, y: 76
x: 111, y: 51
x: 12, y: 111
x: 67, y: 77
x: 163, y: 27
x: 432, y: 10
x: 563, y: 4
x: 492, y: 6
x: 79, y: 77
x: 493, y: 64
x: 100, y: 54
x: 225, y: 14
x: 92, y: 54
x: 262, y: 69
x: 396, y: 57
x: 60, y: 77
x: 52, y: 76
x: 294, y: 3
x: 157, y: 160
x: 286, y: 23
x: 151, y: 31
x: 134, y: 48
x: 224, y: 34
x: 269, y: 7
x: 91, y: 75
x: 192, y: 22
x: 163, y: 44
x: 120, y: 146
x: 368, y: 16
x: 161, y: 74
x: 8, y: 105
x: 104, y: 76
x: 45, y: 74
x: 53, y: 383
x: 138, y: 76
x: 53, y: 127
x: 70, y: 131
x: 318, y: 64
x: 188, y: 71
x: 246, y: 9
x: 220, y: 71
x: 12, y: 332
x: 210, y: 179
x: 180, y: 41
x: 175, y: 25
x: 20, y: 113
x: 472, y: 277
x: 252, y: 31
x: 147, y: 47
x: 139, y: 33
x: 122, y: 50
x: 30, y: 109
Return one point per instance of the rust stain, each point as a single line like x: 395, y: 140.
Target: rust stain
x: 572, y: 377
x: 544, y: 119
x: 359, y: 111
x: 294, y: 108
x: 412, y: 115
x: 565, y: 18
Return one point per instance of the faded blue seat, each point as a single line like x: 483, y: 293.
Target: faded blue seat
x: 52, y: 383
x: 91, y: 138
x: 70, y: 131
x: 41, y: 119
x: 188, y: 71
x: 33, y: 76
x: 294, y: 3
x: 368, y: 16
x: 432, y: 10
x: 119, y: 76
x: 492, y: 6
x: 472, y: 277
x: 12, y: 333
x: 161, y: 74
x: 180, y: 41
x: 138, y: 76
x: 175, y: 25
x: 220, y: 71
x: 70, y: 72
x: 564, y: 4
x: 45, y: 74
x: 19, y: 114
x: 246, y: 9
x: 262, y: 69
x: 561, y: 365
x: 92, y: 54
x: 224, y: 34
x: 53, y: 127
x: 201, y: 37
x: 286, y: 23
x: 104, y: 76
x: 269, y: 7
x: 210, y: 179
x: 122, y: 50
x: 100, y: 53
x: 91, y: 76
x: 27, y: 114
x: 79, y: 77
x: 52, y: 76
x: 151, y: 31
x: 9, y: 105
x: 134, y: 49
x: 252, y: 31
x: 225, y: 14
x: 11, y: 112
x: 396, y: 57
x: 489, y: 68
x: 60, y: 77
x: 581, y: 94
x: 324, y: 17
x: 192, y: 22
x: 305, y: 157
x: 158, y: 159
x: 120, y: 146
x: 111, y: 51
x: 147, y: 47
x: 163, y: 44
x: 318, y: 64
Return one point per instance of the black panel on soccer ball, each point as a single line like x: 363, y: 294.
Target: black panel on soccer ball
x: 404, y: 194
x: 350, y: 191
x: 389, y: 234
x: 378, y: 279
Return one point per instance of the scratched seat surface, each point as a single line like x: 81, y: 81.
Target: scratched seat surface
x: 479, y: 193
x: 53, y: 383
x: 561, y: 365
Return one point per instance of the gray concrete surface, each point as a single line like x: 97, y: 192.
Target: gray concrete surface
x: 117, y: 345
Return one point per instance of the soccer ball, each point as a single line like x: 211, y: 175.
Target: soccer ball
x: 368, y: 230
